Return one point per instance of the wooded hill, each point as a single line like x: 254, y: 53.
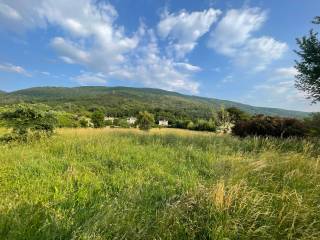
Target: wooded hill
x: 125, y: 101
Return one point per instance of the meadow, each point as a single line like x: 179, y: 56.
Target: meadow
x: 162, y: 184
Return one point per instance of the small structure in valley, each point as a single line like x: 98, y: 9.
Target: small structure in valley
x: 131, y: 120
x: 163, y: 123
x: 107, y: 118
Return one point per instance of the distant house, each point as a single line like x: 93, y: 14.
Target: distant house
x: 131, y: 120
x: 106, y: 118
x: 163, y: 123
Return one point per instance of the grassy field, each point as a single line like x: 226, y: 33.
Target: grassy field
x: 166, y: 184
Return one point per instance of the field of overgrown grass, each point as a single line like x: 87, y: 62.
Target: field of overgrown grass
x: 165, y: 184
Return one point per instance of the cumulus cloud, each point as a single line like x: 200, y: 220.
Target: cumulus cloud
x: 233, y: 38
x: 103, y: 44
x: 184, y: 29
x: 260, y: 52
x: 235, y: 29
x: 8, y: 67
x: 91, y: 38
x: 71, y: 52
x: 163, y: 72
x: 155, y: 70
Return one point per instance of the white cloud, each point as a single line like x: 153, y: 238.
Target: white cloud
x: 154, y: 70
x: 260, y: 52
x: 235, y: 29
x: 45, y: 73
x: 184, y: 29
x: 8, y: 12
x: 103, y: 44
x: 279, y: 91
x: 233, y: 38
x: 187, y: 66
x: 91, y: 38
x: 283, y: 87
x: 285, y: 72
x: 71, y: 53
x: 18, y: 16
x: 88, y: 78
x: 8, y: 67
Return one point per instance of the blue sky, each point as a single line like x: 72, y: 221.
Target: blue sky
x: 227, y: 49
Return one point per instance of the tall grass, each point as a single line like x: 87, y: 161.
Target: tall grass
x: 165, y: 184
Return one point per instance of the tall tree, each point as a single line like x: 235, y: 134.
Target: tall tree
x: 308, y: 77
x: 145, y: 120
x: 237, y: 115
x: 98, y: 119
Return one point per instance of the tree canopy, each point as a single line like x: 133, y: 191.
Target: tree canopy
x: 98, y: 119
x: 308, y: 78
x: 145, y: 120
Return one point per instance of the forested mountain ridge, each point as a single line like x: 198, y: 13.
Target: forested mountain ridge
x: 121, y: 101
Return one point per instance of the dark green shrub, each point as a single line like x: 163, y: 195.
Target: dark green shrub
x: 198, y: 125
x: 183, y: 124
x: 203, y: 125
x: 313, y: 124
x: 270, y: 126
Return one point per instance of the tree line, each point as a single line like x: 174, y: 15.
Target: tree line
x: 34, y: 121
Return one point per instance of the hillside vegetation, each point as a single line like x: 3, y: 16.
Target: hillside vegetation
x: 120, y: 101
x: 163, y: 184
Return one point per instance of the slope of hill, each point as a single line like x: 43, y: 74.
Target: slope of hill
x: 125, y: 101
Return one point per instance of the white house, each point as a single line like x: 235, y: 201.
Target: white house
x: 131, y: 120
x: 106, y: 118
x: 163, y: 123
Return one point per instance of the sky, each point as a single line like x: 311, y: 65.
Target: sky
x: 239, y: 50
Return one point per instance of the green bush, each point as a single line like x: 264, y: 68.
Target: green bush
x: 203, y: 125
x: 123, y: 123
x: 198, y: 125
x: 270, y: 126
x: 28, y: 121
x: 108, y: 123
x: 313, y: 124
x: 183, y: 124
x: 67, y: 120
